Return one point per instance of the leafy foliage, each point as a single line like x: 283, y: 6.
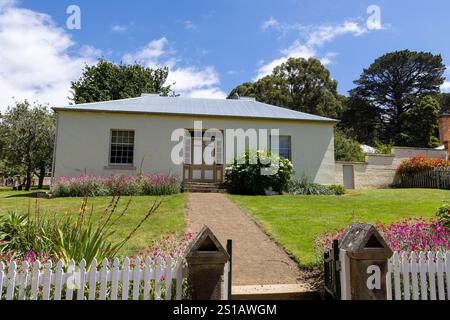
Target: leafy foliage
x: 362, y: 118
x: 443, y: 215
x: 107, y: 81
x: 387, y: 93
x: 84, y: 236
x: 444, y: 102
x: 421, y: 163
x: 257, y: 171
x: 28, y: 139
x: 305, y: 186
x: 421, y: 124
x: 382, y: 148
x: 298, y: 84
x: 347, y: 149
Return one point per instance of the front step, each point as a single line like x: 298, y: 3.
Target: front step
x: 274, y: 292
x: 203, y: 187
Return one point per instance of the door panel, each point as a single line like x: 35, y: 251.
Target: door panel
x: 348, y: 176
x: 197, y: 170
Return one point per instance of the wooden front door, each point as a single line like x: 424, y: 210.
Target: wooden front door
x: 198, y: 170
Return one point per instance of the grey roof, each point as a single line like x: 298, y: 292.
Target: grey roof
x: 155, y: 104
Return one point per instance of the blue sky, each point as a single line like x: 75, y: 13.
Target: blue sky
x: 209, y: 46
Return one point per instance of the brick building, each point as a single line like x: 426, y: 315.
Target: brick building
x: 444, y: 130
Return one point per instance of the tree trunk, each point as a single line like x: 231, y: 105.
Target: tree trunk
x: 28, y: 181
x: 41, y: 177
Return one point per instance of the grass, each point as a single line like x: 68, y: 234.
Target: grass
x: 295, y: 221
x: 169, y: 217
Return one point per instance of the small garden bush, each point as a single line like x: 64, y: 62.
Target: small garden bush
x: 304, y: 186
x: 381, y: 148
x: 125, y: 185
x: 443, y: 215
x: 246, y: 176
x: 347, y: 148
x: 421, y: 163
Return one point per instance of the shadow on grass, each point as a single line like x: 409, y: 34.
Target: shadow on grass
x: 34, y: 194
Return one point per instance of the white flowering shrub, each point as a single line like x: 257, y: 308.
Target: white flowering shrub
x: 256, y: 171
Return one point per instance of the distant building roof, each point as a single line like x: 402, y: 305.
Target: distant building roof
x: 367, y: 149
x: 155, y: 104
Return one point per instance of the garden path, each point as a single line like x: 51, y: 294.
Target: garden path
x: 257, y: 260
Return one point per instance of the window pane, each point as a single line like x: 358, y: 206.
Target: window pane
x: 122, y: 147
x: 285, y: 147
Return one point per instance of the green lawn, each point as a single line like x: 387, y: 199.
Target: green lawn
x: 295, y: 221
x: 169, y: 217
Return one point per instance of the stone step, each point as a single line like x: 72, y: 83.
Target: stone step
x: 274, y: 292
x: 203, y: 187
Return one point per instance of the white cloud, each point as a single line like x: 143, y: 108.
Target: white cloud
x: 35, y: 59
x: 7, y: 3
x: 118, y: 28
x: 212, y: 93
x: 325, y: 34
x: 445, y: 87
x: 271, y: 23
x: 297, y: 50
x: 187, y: 80
x: 189, y: 25
x: 313, y: 37
x: 148, y: 55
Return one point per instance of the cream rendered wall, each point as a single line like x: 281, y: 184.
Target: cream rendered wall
x: 82, y: 145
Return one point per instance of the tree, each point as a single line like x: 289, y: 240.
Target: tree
x: 421, y: 126
x: 298, y: 84
x: 444, y: 101
x: 107, y: 81
x: 362, y: 118
x: 393, y: 84
x: 29, y: 138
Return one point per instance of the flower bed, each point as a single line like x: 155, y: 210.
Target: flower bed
x: 413, y: 234
x: 420, y: 163
x: 125, y: 185
x: 168, y: 246
x: 171, y: 246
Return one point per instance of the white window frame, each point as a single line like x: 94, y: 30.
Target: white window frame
x: 111, y: 143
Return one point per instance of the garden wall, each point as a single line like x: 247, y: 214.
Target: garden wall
x: 377, y: 172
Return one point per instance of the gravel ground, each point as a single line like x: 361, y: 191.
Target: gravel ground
x: 257, y: 260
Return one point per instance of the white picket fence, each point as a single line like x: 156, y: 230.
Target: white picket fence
x: 160, y: 280
x: 418, y: 276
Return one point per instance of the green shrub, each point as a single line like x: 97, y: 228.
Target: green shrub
x: 305, y: 186
x: 337, y: 190
x: 381, y: 148
x: 346, y: 148
x: 255, y: 172
x: 443, y: 215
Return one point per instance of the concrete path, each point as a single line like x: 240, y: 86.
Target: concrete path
x: 257, y: 260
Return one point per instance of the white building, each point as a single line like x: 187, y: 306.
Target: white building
x: 136, y: 135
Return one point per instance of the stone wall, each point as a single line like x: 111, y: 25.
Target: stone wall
x: 376, y: 172
x: 379, y: 170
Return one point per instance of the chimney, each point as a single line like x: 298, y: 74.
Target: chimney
x: 444, y: 131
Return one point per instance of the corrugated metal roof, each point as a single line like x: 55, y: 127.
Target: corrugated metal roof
x: 195, y: 106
